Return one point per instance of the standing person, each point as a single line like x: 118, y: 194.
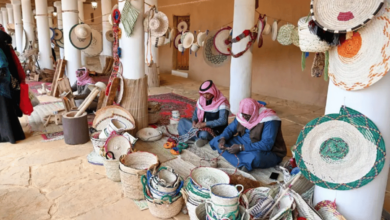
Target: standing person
x: 212, y: 111
x: 53, y: 52
x: 259, y: 143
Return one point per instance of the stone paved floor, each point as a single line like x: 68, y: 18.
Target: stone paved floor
x: 52, y: 180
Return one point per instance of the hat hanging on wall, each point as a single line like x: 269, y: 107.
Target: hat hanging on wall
x: 220, y: 41
x: 362, y: 60
x: 172, y: 34
x: 309, y: 42
x: 260, y: 28
x: 60, y: 43
x: 51, y: 33
x: 200, y: 38
x: 177, y: 40
x: 344, y: 16
x: 329, y: 150
x: 267, y: 28
x: 96, y: 46
x: 158, y: 25
x: 274, y: 30
x: 285, y: 34
x: 182, y: 26
x: 157, y: 41
x: 24, y: 40
x: 80, y: 36
x: 58, y: 35
x: 187, y: 39
x: 211, y: 56
x: 110, y: 35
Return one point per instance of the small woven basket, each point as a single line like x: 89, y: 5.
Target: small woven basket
x: 225, y: 194
x: 309, y: 42
x: 301, y: 186
x: 98, y: 144
x: 205, y: 177
x: 164, y: 209
x: 112, y: 169
x: 154, y: 109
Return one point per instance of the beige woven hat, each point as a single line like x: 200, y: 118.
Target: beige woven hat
x: 177, y: 40
x: 267, y: 28
x: 362, y: 60
x: 211, y: 56
x: 285, y: 34
x: 110, y: 35
x: 96, y: 46
x: 219, y: 40
x: 341, y: 16
x: 200, y: 38
x: 274, y: 30
x: 158, y: 25
x: 58, y: 35
x: 182, y: 26
x: 187, y: 39
x: 60, y: 43
x: 159, y: 41
x: 80, y: 36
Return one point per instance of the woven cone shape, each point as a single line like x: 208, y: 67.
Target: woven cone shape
x: 364, y: 59
x: 330, y: 148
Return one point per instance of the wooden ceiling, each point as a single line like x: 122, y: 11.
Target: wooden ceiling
x: 49, y: 2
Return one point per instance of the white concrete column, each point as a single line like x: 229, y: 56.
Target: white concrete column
x: 18, y: 25
x: 1, y: 18
x: 33, y: 17
x: 28, y: 21
x: 106, y: 10
x: 365, y: 202
x: 70, y: 17
x: 241, y: 68
x: 133, y: 60
x: 58, y: 6
x: 154, y: 49
x: 50, y: 11
x: 4, y: 13
x: 43, y: 34
x: 10, y: 11
x: 80, y: 6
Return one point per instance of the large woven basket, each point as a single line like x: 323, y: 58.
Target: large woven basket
x: 309, y: 42
x: 301, y: 186
x: 131, y: 167
x: 154, y: 109
x: 112, y: 169
x: 97, y: 143
x: 204, y: 177
x: 165, y: 209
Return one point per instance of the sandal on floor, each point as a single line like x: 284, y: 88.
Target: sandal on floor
x: 180, y: 147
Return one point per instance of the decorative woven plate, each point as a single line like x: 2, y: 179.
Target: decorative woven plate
x: 219, y: 41
x: 362, y: 60
x: 104, y: 115
x: 285, y: 34
x: 341, y: 16
x: 211, y: 56
x: 330, y: 148
x: 118, y: 144
x: 177, y: 40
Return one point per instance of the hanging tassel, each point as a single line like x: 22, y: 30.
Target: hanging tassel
x: 307, y: 55
x: 303, y: 61
x: 326, y: 66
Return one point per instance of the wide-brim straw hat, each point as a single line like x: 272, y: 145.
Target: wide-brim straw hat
x: 267, y: 29
x: 220, y: 40
x: 51, y: 33
x: 172, y: 35
x: 158, y: 25
x: 58, y: 35
x: 187, y: 39
x: 344, y: 16
x: 96, y: 46
x: 211, y: 56
x: 295, y: 37
x: 260, y: 28
x: 285, y: 34
x: 200, y: 38
x: 182, y: 26
x: 159, y: 41
x: 330, y: 148
x: 274, y: 30
x: 177, y: 40
x: 80, y: 36
x: 110, y: 35
x: 361, y: 61
x: 60, y: 43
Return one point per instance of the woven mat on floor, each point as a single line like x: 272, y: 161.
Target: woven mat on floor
x: 157, y: 148
x: 36, y: 119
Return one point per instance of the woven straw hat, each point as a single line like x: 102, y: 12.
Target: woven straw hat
x: 110, y: 35
x: 219, y: 40
x: 361, y: 61
x: 344, y: 16
x: 158, y: 24
x: 60, y: 43
x: 267, y: 27
x: 309, y: 42
x: 182, y: 26
x: 211, y: 56
x: 51, y: 33
x: 80, y: 36
x: 285, y: 34
x: 187, y: 39
x: 330, y: 148
x: 200, y: 38
x: 295, y: 37
x: 274, y: 30
x: 58, y: 35
x: 96, y: 46
x: 159, y: 41
x: 177, y: 40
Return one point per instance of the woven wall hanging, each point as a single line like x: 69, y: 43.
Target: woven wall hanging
x: 329, y: 150
x: 129, y: 17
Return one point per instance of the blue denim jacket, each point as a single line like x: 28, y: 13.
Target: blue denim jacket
x: 218, y: 121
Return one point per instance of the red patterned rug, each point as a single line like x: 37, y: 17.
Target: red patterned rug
x: 172, y: 101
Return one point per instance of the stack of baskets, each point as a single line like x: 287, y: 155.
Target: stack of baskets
x: 154, y: 109
x: 162, y: 192
x: 197, y: 186
x: 131, y: 168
